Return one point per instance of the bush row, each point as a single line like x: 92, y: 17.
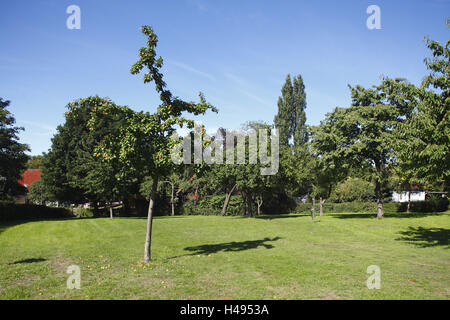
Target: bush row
x: 212, y: 205
x: 371, y: 207
x: 13, y: 212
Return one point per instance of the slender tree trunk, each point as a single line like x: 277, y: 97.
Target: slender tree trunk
x: 380, y: 211
x: 408, y: 209
x: 148, y: 236
x: 173, y: 203
x: 195, y: 196
x: 227, y: 200
x: 313, y: 208
x: 247, y: 205
x: 172, y: 196
x: 244, y: 197
x: 259, y: 203
x: 110, y: 210
x: 321, y: 202
x: 250, y: 206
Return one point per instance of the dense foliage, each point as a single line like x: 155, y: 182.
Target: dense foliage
x: 12, y: 153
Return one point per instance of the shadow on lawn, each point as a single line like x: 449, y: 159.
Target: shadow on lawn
x: 32, y: 260
x: 426, y: 237
x: 229, y: 247
x: 282, y: 216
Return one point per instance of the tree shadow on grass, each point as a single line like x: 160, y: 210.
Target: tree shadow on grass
x: 32, y: 260
x: 282, y: 216
x: 233, y: 246
x: 426, y: 237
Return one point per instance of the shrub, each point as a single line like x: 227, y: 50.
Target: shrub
x: 353, y: 189
x: 212, y: 205
x: 13, y: 212
x: 83, y: 212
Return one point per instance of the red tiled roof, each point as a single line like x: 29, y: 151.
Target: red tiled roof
x: 30, y: 176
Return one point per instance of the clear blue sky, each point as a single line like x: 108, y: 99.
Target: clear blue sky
x: 236, y: 52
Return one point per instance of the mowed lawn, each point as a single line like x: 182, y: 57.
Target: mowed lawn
x: 209, y: 257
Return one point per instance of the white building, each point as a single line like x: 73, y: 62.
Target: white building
x: 403, y: 196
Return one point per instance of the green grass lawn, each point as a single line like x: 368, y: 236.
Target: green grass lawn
x: 209, y: 257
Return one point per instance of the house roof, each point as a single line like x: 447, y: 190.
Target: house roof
x: 30, y: 176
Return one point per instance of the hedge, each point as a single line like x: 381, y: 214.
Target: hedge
x: 212, y: 205
x: 13, y: 212
x: 371, y: 207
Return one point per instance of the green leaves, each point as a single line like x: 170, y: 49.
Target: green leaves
x: 12, y: 153
x: 290, y: 119
x: 423, y: 147
x: 142, y: 144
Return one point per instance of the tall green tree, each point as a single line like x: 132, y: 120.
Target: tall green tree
x: 424, y: 140
x: 12, y: 153
x: 291, y: 118
x: 144, y: 144
x: 364, y: 133
x: 71, y: 172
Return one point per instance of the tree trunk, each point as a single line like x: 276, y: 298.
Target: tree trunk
x: 408, y: 209
x: 110, y: 210
x: 195, y: 196
x: 247, y: 205
x: 148, y: 236
x: 250, y: 205
x: 380, y: 211
x: 313, y: 209
x: 173, y: 203
x: 321, y: 202
x: 227, y: 200
x: 259, y: 202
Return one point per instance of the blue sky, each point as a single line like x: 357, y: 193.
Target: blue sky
x: 237, y: 53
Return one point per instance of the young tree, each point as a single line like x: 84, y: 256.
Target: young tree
x: 12, y: 153
x: 144, y: 144
x: 222, y: 177
x: 254, y: 186
x: 291, y: 118
x: 223, y: 180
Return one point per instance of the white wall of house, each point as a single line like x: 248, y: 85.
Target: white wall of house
x: 402, y: 196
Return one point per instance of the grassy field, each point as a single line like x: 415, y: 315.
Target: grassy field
x: 209, y: 257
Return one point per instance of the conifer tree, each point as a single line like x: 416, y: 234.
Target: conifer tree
x: 291, y: 117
